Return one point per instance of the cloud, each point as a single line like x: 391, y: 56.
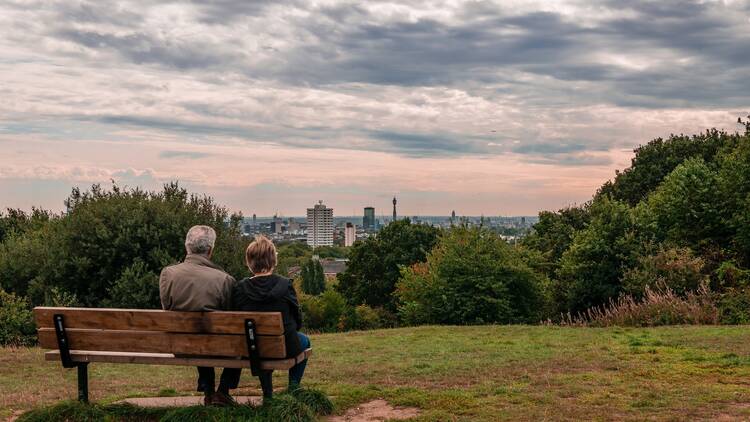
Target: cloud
x: 570, y: 160
x: 422, y: 145
x: 140, y: 48
x: 77, y: 174
x: 558, y: 85
x: 191, y: 155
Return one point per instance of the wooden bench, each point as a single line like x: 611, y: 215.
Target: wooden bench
x: 81, y: 336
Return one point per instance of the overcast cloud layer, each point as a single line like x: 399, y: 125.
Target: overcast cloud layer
x: 484, y: 107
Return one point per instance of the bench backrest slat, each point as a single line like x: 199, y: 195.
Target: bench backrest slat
x: 228, y: 345
x: 267, y: 323
x: 156, y: 331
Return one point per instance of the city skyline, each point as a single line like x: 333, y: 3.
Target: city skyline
x: 486, y: 107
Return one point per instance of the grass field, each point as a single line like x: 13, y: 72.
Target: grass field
x: 518, y: 373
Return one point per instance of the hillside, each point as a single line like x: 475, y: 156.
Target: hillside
x: 468, y: 373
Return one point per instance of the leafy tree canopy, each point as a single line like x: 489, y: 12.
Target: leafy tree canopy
x: 111, y: 244
x: 375, y: 263
x: 655, y: 160
x: 472, y: 276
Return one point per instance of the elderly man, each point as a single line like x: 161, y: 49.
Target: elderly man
x: 197, y: 284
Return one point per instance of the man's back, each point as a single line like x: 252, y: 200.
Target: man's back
x: 197, y: 284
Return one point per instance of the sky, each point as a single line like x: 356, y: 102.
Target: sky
x: 485, y: 108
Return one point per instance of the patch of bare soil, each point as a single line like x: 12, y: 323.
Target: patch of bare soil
x: 375, y: 411
x: 734, y: 413
x: 17, y: 414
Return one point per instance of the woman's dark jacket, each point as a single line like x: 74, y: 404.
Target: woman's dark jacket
x: 271, y: 293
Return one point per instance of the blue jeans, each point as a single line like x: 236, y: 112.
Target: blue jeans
x: 297, y: 371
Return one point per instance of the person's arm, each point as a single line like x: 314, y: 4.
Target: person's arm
x: 296, y: 311
x: 226, y: 300
x: 164, y: 290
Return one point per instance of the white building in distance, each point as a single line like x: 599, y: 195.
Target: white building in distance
x: 320, y: 225
x: 350, y: 234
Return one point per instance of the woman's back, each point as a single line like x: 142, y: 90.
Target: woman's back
x: 271, y: 293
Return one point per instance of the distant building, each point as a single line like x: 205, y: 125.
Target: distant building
x: 254, y: 222
x: 276, y: 225
x: 394, y: 209
x: 368, y: 221
x: 350, y: 234
x: 293, y: 226
x: 320, y: 225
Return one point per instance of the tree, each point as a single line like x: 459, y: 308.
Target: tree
x: 734, y: 186
x: 375, y: 263
x: 114, y: 240
x: 655, y: 160
x: 686, y: 208
x: 472, y: 276
x: 552, y: 235
x: 338, y: 252
x: 313, y: 277
x: 591, y: 269
x: 17, y: 222
x: 292, y: 254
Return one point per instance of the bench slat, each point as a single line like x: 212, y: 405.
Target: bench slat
x: 267, y: 323
x: 162, y: 342
x: 169, y: 359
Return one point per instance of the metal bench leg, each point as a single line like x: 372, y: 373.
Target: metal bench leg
x: 83, y: 382
x: 266, y: 383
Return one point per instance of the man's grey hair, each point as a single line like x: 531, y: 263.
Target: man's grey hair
x: 200, y: 240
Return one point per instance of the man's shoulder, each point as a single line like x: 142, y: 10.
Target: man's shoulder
x: 190, y: 269
x: 168, y: 270
x: 212, y: 273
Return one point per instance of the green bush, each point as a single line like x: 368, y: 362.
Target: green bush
x: 16, y: 321
x: 361, y: 317
x: 734, y: 307
x: 675, y: 268
x: 730, y: 276
x: 137, y: 288
x: 323, y: 312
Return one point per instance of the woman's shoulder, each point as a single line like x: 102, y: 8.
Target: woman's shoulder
x: 242, y: 281
x: 281, y: 278
x: 281, y: 282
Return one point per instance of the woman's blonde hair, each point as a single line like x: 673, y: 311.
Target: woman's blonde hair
x: 260, y: 255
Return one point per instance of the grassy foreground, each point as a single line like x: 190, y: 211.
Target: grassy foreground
x: 487, y: 373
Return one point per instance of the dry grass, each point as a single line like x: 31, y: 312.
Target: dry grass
x: 490, y: 373
x: 658, y: 307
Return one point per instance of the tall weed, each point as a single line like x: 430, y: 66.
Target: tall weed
x: 658, y: 307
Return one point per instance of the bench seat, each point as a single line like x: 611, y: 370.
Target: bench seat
x: 86, y: 356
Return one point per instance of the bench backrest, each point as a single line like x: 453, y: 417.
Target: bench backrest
x: 156, y: 331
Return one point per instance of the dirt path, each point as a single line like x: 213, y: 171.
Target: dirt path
x: 375, y: 411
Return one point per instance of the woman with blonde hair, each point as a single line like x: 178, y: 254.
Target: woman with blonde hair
x: 268, y: 292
